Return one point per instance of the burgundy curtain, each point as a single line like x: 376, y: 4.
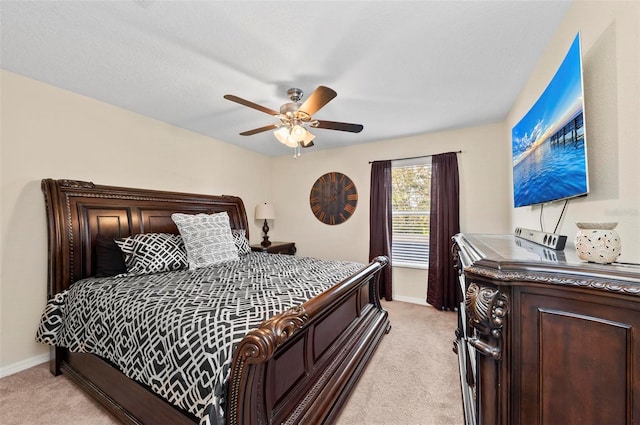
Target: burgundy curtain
x: 380, y: 230
x: 443, y: 291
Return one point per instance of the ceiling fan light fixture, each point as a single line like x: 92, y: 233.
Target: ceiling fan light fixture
x: 284, y: 136
x: 281, y: 134
x: 308, y: 139
x: 298, y: 132
x: 291, y: 142
x: 293, y: 135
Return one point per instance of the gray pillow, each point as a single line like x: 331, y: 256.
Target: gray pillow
x: 207, y: 238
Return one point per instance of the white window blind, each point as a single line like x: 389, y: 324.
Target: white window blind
x: 411, y: 187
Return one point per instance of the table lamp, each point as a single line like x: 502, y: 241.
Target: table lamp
x: 265, y: 211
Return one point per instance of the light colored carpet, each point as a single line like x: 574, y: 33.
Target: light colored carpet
x: 413, y: 377
x: 412, y: 380
x: 34, y: 396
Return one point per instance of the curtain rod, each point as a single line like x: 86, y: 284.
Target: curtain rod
x: 416, y: 157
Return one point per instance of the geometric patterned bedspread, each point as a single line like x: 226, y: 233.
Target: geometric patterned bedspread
x: 175, y: 332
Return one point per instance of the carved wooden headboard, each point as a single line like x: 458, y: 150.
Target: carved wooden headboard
x: 77, y: 211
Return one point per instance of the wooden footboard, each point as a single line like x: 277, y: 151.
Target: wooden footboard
x: 300, y: 366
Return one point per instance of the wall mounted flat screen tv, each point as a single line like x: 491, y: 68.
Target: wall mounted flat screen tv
x: 549, y: 144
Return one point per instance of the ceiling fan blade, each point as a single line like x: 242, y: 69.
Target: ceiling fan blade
x: 259, y: 130
x: 342, y: 126
x: 250, y: 104
x: 320, y: 97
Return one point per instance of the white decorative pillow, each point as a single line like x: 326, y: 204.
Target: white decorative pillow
x: 207, y: 238
x: 240, y: 240
x: 153, y: 253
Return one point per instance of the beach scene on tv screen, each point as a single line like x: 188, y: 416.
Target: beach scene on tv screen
x: 548, y: 144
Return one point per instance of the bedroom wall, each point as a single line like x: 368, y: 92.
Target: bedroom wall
x: 49, y: 132
x: 484, y: 192
x: 610, y: 33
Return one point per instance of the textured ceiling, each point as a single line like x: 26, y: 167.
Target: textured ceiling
x: 400, y: 68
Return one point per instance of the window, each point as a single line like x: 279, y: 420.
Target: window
x: 411, y: 193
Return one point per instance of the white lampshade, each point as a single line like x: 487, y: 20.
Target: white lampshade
x: 281, y: 134
x: 291, y: 141
x: 265, y: 211
x: 298, y: 132
x: 308, y: 138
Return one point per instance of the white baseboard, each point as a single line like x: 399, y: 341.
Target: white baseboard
x: 23, y: 365
x: 410, y: 300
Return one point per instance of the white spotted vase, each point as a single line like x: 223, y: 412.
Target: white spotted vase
x: 598, y: 242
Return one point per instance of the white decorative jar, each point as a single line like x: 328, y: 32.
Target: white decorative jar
x: 598, y: 242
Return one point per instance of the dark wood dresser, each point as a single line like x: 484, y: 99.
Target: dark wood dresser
x: 544, y: 338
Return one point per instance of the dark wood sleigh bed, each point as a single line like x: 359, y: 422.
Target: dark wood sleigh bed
x: 298, y: 367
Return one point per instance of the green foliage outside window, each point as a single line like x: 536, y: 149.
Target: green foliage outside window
x: 411, y: 199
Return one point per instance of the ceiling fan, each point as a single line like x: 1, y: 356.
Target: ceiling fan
x: 295, y: 117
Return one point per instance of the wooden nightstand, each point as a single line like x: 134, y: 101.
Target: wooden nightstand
x: 277, y: 248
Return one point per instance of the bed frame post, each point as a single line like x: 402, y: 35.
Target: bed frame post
x: 55, y: 232
x: 55, y: 360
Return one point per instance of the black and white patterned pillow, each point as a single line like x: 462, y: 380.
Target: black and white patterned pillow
x: 153, y: 253
x: 240, y: 239
x: 207, y: 238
